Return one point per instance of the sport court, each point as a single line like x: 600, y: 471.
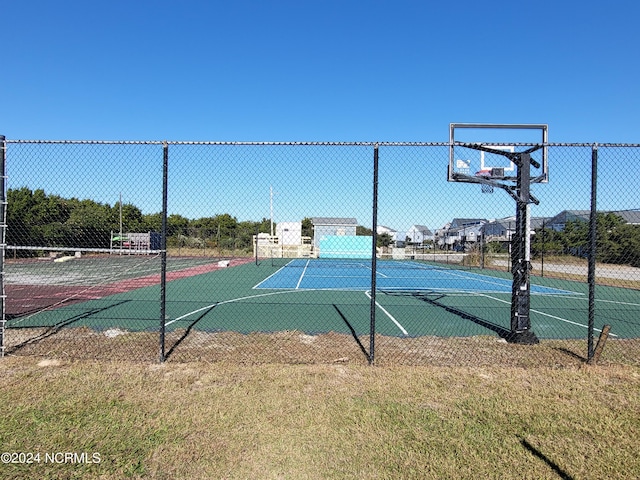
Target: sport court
x: 318, y: 296
x: 348, y: 274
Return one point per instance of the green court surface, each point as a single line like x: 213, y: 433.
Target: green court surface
x: 229, y: 299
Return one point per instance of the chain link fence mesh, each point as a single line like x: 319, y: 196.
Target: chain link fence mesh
x: 269, y: 254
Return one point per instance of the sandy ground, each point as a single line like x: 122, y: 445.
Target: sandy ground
x: 622, y: 272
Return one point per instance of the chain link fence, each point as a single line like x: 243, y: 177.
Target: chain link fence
x: 313, y: 252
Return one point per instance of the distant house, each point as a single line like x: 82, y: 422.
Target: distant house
x: 632, y: 217
x: 465, y: 230
x: 381, y: 230
x: 323, y: 226
x: 538, y: 222
x: 502, y: 229
x: 418, y: 235
x: 558, y: 223
x: 459, y: 232
x: 467, y: 222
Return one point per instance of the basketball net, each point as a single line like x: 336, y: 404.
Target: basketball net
x: 486, y: 188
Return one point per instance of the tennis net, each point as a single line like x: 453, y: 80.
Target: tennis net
x: 386, y: 260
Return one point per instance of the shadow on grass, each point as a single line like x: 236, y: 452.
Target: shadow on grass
x: 568, y: 352
x: 187, y: 332
x: 554, y: 466
x: 353, y: 332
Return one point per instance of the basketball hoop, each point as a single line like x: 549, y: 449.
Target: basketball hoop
x: 485, y: 187
x: 510, y: 158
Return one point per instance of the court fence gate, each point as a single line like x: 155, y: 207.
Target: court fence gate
x: 313, y: 252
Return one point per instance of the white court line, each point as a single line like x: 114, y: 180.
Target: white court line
x: 228, y: 301
x: 368, y: 294
x: 584, y: 298
x: 304, y: 270
x: 499, y: 281
x: 274, y: 273
x: 547, y: 314
x: 377, y: 272
x: 619, y: 303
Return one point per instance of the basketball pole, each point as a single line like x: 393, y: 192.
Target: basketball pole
x: 521, y: 258
x: 520, y: 244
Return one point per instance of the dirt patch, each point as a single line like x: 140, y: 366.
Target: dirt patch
x: 621, y: 272
x: 293, y: 347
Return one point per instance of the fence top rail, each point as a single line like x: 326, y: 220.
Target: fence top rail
x: 224, y: 143
x: 327, y: 144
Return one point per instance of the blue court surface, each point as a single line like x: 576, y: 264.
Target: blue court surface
x: 345, y: 274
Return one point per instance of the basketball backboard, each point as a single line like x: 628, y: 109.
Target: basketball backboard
x: 487, y: 151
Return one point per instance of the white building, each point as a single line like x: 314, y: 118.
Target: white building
x: 418, y: 234
x: 381, y: 229
x: 289, y: 233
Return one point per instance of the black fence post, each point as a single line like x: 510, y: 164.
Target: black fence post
x: 3, y: 231
x: 374, y: 241
x: 542, y: 251
x: 593, y: 231
x: 163, y: 253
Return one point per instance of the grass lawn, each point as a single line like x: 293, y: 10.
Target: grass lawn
x: 119, y: 420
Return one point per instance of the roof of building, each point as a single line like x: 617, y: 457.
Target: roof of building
x: 334, y: 221
x: 568, y: 216
x: 510, y: 222
x: 461, y: 222
x: 630, y: 216
x: 420, y: 228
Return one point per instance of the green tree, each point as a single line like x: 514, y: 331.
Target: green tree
x: 610, y: 236
x: 630, y: 243
x: 616, y: 241
x: 177, y: 225
x: 383, y: 240
x: 35, y: 218
x: 307, y: 227
x: 547, y: 242
x: 575, y: 236
x: 364, y: 231
x: 265, y: 226
x: 152, y: 222
x: 89, y: 224
x: 245, y: 232
x: 132, y: 219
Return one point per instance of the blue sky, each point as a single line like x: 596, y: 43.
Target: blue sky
x: 317, y: 70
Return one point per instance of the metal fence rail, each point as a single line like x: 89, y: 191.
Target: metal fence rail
x: 312, y: 252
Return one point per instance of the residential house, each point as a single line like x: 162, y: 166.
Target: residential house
x: 558, y: 222
x: 460, y: 232
x: 419, y: 235
x: 503, y: 229
x: 381, y: 230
